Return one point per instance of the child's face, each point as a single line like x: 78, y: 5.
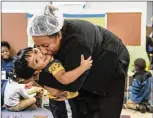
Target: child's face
x: 37, y: 60
x: 5, y: 52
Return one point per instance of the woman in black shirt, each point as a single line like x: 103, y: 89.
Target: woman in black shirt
x: 101, y: 89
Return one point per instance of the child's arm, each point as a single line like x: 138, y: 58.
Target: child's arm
x: 68, y: 77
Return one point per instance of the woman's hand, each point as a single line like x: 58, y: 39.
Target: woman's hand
x: 39, y: 92
x: 39, y: 89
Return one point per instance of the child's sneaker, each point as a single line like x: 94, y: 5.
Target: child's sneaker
x: 149, y: 108
x: 142, y: 108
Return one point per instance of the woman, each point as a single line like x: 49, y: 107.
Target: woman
x: 101, y: 88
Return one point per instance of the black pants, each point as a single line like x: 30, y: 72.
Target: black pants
x: 89, y: 105
x: 58, y: 108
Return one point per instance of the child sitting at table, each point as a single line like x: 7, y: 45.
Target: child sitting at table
x: 16, y: 97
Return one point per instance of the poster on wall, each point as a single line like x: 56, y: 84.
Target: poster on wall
x: 97, y: 19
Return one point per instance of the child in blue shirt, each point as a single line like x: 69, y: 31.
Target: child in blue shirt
x: 6, y: 63
x: 6, y: 59
x: 141, y: 87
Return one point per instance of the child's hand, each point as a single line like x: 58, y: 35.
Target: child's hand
x: 40, y: 93
x: 86, y: 64
x: 29, y: 85
x: 39, y: 90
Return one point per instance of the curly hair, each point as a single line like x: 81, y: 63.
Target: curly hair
x: 21, y: 67
x: 5, y: 44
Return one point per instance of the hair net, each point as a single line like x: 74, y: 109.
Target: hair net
x: 47, y: 22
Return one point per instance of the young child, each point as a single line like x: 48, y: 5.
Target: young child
x: 6, y: 64
x: 32, y: 60
x: 14, y: 91
x: 141, y: 87
x: 6, y: 59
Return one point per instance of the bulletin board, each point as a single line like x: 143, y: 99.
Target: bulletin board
x: 127, y: 26
x: 97, y: 19
x: 13, y: 26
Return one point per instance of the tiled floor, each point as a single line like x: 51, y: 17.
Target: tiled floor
x: 136, y: 114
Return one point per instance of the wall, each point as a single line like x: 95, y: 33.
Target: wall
x: 14, y: 22
x: 92, y: 7
x: 70, y: 7
x: 113, y: 7
x: 149, y: 13
x: 22, y: 7
x: 123, y: 7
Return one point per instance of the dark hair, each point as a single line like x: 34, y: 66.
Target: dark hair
x: 140, y: 64
x: 12, y: 76
x: 21, y: 67
x: 5, y: 44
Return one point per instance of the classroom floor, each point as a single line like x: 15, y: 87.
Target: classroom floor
x: 136, y: 114
x: 42, y: 111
